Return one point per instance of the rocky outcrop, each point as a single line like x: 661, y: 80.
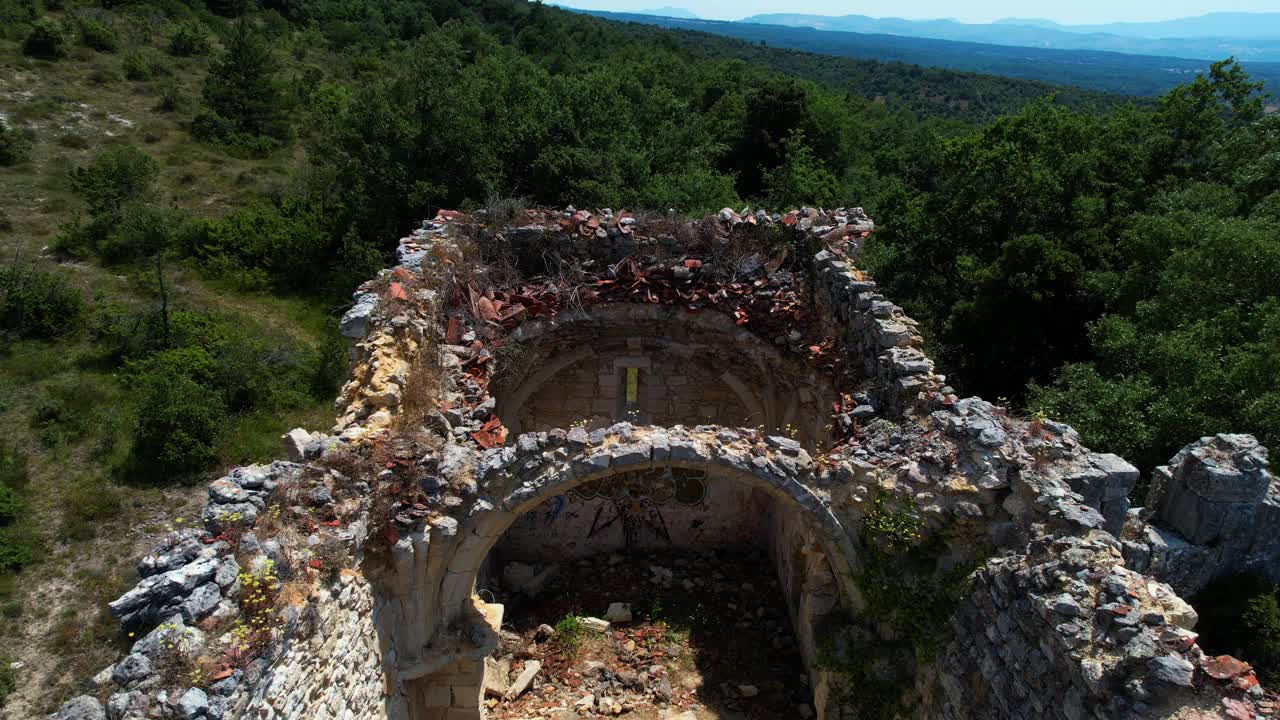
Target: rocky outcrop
x: 1214, y: 510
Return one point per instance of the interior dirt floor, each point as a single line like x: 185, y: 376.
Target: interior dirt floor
x: 710, y: 637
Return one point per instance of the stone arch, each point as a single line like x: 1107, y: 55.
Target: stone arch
x: 481, y: 532
x: 532, y: 477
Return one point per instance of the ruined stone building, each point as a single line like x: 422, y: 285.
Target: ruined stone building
x: 557, y: 385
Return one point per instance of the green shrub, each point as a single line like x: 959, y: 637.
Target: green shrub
x: 11, y: 505
x: 171, y: 96
x: 283, y: 244
x: 188, y: 40
x: 119, y: 175
x: 36, y: 304
x: 142, y: 231
x: 16, y: 17
x: 137, y: 65
x: 179, y: 417
x: 1240, y: 616
x: 70, y: 410
x: 8, y: 680
x: 18, y: 544
x: 13, y: 147
x: 46, y: 41
x: 210, y: 127
x: 99, y: 36
x: 17, y: 538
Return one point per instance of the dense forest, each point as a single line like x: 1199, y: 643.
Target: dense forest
x: 170, y: 279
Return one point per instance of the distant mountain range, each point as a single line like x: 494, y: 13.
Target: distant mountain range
x: 1218, y: 24
x: 1127, y: 73
x: 668, y: 11
x: 1245, y: 36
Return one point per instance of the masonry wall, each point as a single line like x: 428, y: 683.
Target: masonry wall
x: 692, y: 369
x: 335, y: 670
x: 670, y: 390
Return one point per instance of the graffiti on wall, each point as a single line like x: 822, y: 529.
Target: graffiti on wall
x: 638, y: 511
x: 634, y: 501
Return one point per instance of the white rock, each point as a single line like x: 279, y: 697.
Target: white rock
x: 618, y: 612
x: 531, y: 670
x: 595, y: 624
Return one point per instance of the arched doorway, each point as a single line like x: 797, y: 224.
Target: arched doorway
x: 643, y: 501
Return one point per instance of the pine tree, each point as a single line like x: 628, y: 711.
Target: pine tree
x: 241, y: 86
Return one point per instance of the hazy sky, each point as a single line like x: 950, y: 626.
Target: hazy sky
x: 1075, y: 11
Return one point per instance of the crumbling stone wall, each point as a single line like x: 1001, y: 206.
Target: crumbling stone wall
x: 912, y: 488
x: 1214, y: 510
x: 334, y: 671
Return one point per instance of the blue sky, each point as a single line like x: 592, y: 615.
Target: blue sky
x: 1076, y: 11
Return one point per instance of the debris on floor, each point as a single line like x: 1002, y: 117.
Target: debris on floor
x: 679, y: 635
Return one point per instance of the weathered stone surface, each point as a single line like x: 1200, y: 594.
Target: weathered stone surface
x: 82, y: 707
x: 132, y: 669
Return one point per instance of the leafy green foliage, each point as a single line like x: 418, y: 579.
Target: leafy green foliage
x: 193, y: 373
x: 47, y: 41
x: 8, y: 680
x: 1240, y: 616
x: 118, y: 176
x: 569, y: 632
x: 140, y: 64
x: 10, y: 505
x: 13, y: 147
x: 800, y: 179
x: 178, y: 415
x: 189, y: 39
x: 99, y: 36
x: 17, y: 544
x: 1110, y: 270
x: 36, y: 304
x: 1107, y: 411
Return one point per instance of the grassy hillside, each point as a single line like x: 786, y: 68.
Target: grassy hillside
x: 69, y: 403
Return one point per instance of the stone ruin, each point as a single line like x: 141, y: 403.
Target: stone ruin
x: 730, y: 381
